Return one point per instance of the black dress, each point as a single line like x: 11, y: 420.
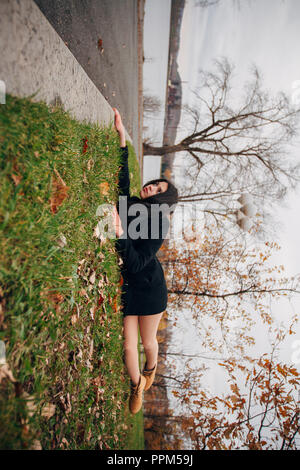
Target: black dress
x: 144, y: 289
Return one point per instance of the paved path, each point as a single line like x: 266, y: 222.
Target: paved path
x: 102, y: 36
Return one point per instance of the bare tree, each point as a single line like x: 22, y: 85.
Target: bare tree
x: 236, y: 145
x: 209, y: 3
x: 206, y: 3
x: 151, y: 104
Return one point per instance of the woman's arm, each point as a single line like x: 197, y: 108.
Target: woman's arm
x: 120, y: 128
x: 135, y: 259
x: 124, y: 181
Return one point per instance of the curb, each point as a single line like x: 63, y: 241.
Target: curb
x: 35, y: 61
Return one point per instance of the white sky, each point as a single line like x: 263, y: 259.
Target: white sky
x: 156, y: 48
x: 264, y: 32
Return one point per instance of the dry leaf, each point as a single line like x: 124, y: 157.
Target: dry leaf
x: 91, y: 351
x: 92, y: 278
x: 64, y: 442
x: 36, y: 445
x: 6, y: 373
x: 84, y: 178
x: 100, y: 45
x: 53, y: 297
x: 85, y: 144
x: 59, y: 192
x: 48, y: 410
x: 92, y: 312
x: 100, y: 299
x: 98, y: 234
x: 61, y: 241
x: 90, y: 164
x: 104, y: 188
x: 16, y: 178
x: 66, y: 404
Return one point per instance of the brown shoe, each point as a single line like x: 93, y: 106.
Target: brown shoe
x: 136, y: 396
x: 149, y: 375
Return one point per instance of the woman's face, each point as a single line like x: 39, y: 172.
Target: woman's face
x: 154, y: 188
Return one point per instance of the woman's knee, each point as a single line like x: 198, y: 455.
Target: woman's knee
x: 130, y: 345
x: 150, y: 343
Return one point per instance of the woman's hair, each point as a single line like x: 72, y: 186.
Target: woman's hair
x: 169, y: 197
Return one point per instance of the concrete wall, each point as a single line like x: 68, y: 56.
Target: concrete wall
x: 35, y: 59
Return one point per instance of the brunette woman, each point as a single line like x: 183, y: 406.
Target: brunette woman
x: 144, y: 290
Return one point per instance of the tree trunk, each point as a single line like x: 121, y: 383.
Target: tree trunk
x: 159, y: 151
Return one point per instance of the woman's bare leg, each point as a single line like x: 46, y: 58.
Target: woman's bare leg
x: 148, y: 329
x: 131, y: 347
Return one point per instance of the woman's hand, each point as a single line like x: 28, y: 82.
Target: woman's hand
x: 120, y: 128
x: 117, y: 223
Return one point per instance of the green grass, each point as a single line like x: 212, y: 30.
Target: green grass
x: 60, y: 316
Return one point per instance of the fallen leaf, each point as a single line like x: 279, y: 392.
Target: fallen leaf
x: 53, y: 297
x: 100, y: 45
x: 61, y: 241
x: 98, y: 234
x: 59, y: 192
x: 85, y: 144
x: 104, y: 188
x: 64, y: 442
x: 66, y: 404
x: 100, y: 299
x: 91, y: 351
x: 90, y: 164
x: 6, y: 373
x: 16, y: 178
x: 98, y: 384
x: 92, y: 278
x: 84, y: 178
x: 36, y: 445
x: 48, y: 410
x: 92, y: 312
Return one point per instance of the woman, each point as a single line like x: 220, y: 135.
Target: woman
x: 144, y: 290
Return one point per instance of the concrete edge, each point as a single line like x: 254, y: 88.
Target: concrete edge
x: 35, y: 60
